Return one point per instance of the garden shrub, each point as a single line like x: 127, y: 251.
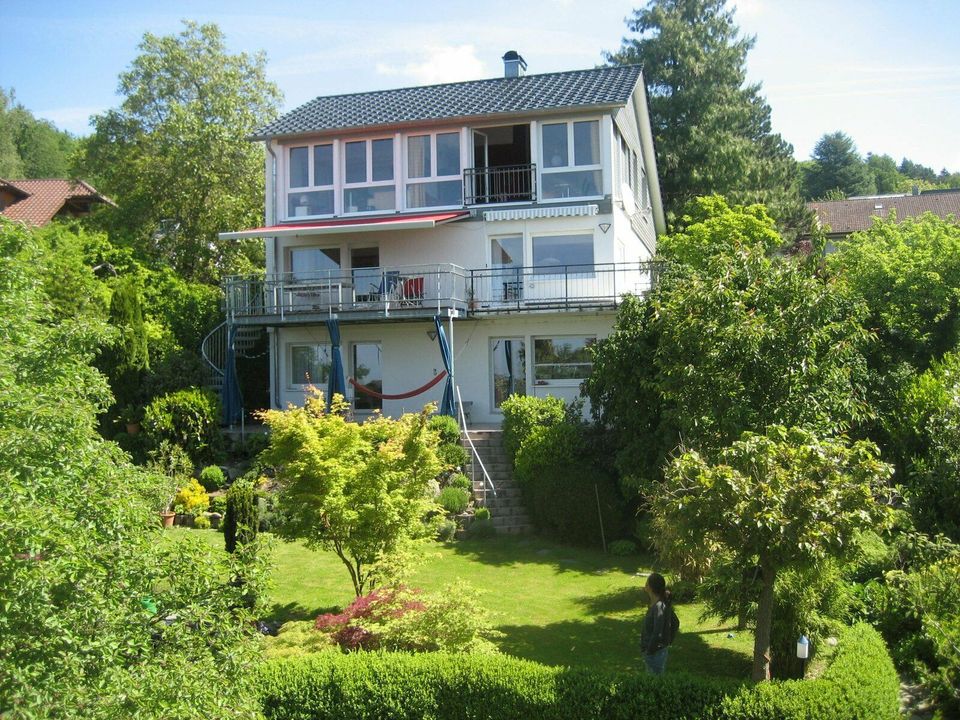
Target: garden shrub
x: 212, y: 478
x: 453, y: 456
x: 240, y: 522
x: 447, y: 530
x: 459, y: 480
x: 454, y: 500
x: 401, y: 618
x: 622, y: 548
x: 447, y: 428
x: 859, y: 682
x: 481, y: 527
x: 188, y: 418
x: 481, y: 513
x: 522, y: 413
x: 561, y: 483
x: 295, y: 639
x: 191, y: 498
x: 201, y: 522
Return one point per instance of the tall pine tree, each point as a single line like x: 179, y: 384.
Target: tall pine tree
x: 711, y: 129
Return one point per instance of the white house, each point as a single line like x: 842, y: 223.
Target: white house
x: 520, y: 210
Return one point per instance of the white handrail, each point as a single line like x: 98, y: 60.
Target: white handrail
x: 463, y: 423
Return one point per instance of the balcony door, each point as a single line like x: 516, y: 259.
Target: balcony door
x: 501, y: 166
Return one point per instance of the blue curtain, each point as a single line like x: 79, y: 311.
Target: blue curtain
x: 448, y: 406
x: 230, y: 397
x: 335, y: 382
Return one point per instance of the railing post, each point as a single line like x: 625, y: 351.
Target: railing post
x: 566, y: 287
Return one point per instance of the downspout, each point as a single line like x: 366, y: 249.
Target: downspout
x: 649, y: 156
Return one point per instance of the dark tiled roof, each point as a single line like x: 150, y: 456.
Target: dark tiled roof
x: 45, y: 198
x: 579, y: 88
x: 841, y: 217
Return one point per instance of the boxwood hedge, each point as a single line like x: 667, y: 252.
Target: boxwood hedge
x: 860, y: 682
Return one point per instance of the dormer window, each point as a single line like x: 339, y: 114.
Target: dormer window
x: 433, y: 171
x: 368, y: 183
x: 310, y: 181
x: 571, y: 160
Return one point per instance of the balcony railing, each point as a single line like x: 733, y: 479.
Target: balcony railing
x: 510, y: 183
x: 425, y: 290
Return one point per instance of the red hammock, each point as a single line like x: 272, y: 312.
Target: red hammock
x: 398, y: 396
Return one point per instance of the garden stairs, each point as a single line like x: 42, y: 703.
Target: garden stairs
x: 506, y: 507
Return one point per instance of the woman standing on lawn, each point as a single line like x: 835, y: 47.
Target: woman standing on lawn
x: 657, y: 625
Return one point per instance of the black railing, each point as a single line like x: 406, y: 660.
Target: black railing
x: 510, y: 183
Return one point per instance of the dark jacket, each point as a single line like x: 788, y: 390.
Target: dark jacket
x: 651, y: 637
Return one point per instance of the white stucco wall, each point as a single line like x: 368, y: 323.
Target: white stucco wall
x: 410, y: 358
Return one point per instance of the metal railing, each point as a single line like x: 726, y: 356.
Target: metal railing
x: 509, y: 183
x: 431, y: 288
x: 558, y: 286
x: 476, y: 459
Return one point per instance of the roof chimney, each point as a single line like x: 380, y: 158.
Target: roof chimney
x: 513, y: 64
x: 916, y: 189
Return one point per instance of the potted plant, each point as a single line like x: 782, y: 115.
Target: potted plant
x: 130, y: 415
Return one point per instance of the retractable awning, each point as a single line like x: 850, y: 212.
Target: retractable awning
x: 354, y: 225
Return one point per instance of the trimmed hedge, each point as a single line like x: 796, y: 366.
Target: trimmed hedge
x: 860, y: 682
x: 397, y: 686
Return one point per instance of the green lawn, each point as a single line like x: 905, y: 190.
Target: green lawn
x: 555, y: 604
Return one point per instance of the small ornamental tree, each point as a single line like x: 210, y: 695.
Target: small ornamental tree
x: 359, y: 490
x: 776, y: 501
x: 240, y: 522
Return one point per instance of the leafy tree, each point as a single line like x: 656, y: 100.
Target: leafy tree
x: 101, y: 616
x: 886, y: 177
x: 127, y: 358
x: 837, y: 166
x: 779, y: 501
x: 175, y: 154
x: 359, y: 490
x: 917, y: 171
x: 711, y: 129
x: 733, y: 338
x: 31, y: 147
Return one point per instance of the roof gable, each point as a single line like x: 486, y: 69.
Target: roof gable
x: 600, y: 87
x: 44, y: 198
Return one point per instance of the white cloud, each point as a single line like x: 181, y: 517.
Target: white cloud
x: 74, y: 119
x: 441, y: 64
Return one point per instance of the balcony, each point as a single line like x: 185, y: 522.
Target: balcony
x: 506, y: 184
x: 421, y: 291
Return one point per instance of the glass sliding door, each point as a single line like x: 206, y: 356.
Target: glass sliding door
x: 508, y: 368
x: 368, y: 371
x: 506, y: 261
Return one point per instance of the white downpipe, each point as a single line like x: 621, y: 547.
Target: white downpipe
x: 476, y: 455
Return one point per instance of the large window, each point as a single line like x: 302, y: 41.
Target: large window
x: 571, y: 159
x: 368, y: 181
x: 368, y: 371
x: 310, y: 181
x: 508, y: 367
x: 313, y: 263
x: 558, y: 254
x: 309, y: 364
x: 562, y: 360
x: 433, y: 170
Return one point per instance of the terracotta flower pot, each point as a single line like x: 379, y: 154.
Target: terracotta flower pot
x: 167, y: 517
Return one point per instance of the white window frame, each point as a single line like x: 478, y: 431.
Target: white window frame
x: 531, y: 261
x: 542, y: 169
x: 288, y: 353
x: 532, y: 361
x: 290, y: 249
x: 310, y: 187
x: 343, y: 187
x: 432, y: 177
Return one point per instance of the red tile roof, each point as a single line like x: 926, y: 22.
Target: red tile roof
x: 841, y: 217
x: 45, y: 198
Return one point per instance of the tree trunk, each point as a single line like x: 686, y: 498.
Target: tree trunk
x: 761, y: 642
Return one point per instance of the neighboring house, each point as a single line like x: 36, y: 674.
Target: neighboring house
x: 839, y: 218
x: 519, y: 210
x: 37, y: 202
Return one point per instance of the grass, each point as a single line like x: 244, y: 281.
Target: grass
x: 555, y: 604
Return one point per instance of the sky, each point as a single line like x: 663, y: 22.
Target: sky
x: 886, y: 72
